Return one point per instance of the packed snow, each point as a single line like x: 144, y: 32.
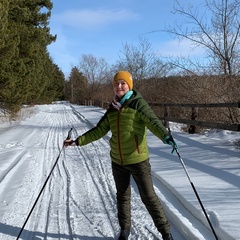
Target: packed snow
x: 78, y: 200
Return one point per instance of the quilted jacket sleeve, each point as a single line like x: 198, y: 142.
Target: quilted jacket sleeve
x: 95, y: 133
x: 152, y: 122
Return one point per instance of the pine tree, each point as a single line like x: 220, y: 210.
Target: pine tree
x: 27, y: 73
x: 77, y: 86
x: 9, y: 58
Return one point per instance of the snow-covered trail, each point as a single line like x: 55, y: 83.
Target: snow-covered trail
x: 78, y: 201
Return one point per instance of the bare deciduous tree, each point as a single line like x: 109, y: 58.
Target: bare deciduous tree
x: 215, y: 27
x: 142, y: 62
x: 96, y: 71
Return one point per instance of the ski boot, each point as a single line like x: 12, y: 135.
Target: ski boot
x: 168, y: 237
x: 124, y: 234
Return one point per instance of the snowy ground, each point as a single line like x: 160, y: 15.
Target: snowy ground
x: 79, y: 202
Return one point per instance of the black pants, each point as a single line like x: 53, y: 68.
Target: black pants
x: 141, y: 173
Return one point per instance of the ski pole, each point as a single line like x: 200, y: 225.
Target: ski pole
x: 45, y: 183
x: 193, y: 187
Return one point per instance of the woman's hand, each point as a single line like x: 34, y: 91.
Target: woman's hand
x: 69, y: 142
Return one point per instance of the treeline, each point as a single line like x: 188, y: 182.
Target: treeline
x: 204, y: 89
x: 27, y: 72
x: 213, y: 78
x: 29, y: 76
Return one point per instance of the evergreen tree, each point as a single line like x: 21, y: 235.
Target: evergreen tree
x: 9, y: 63
x: 77, y: 86
x: 27, y: 73
x: 54, y: 89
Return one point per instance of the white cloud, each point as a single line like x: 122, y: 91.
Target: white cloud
x: 89, y: 18
x: 174, y: 48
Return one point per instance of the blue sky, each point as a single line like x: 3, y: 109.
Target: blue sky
x: 101, y: 28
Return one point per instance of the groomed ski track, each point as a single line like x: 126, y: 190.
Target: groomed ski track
x: 79, y: 199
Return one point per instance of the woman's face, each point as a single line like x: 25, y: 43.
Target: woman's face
x: 120, y: 88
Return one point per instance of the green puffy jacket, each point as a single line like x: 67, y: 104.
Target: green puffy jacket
x: 128, y: 126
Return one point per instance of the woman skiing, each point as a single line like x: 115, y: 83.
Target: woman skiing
x: 128, y: 118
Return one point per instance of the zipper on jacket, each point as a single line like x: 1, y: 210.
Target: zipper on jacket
x: 137, y: 146
x: 119, y: 145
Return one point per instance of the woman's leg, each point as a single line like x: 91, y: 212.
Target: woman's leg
x: 122, y: 180
x: 141, y: 173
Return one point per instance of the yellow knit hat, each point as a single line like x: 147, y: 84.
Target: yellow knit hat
x: 126, y: 76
